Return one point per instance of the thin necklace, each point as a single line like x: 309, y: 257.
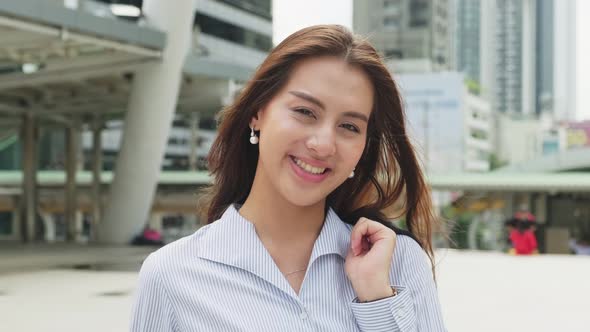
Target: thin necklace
x: 290, y: 273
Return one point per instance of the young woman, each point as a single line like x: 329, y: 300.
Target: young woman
x: 308, y: 164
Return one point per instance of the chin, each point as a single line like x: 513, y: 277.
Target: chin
x: 302, y: 197
x: 305, y: 200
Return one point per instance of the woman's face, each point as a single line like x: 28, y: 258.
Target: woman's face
x: 314, y: 130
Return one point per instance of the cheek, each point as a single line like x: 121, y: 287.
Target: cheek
x: 351, y: 152
x: 277, y: 133
x: 282, y: 126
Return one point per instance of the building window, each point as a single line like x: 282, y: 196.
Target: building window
x: 214, y: 27
x: 256, y: 7
x: 390, y: 3
x: 419, y: 13
x: 391, y: 22
x: 394, y: 53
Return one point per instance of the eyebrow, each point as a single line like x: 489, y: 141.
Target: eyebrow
x: 317, y: 102
x: 356, y: 115
x: 309, y: 98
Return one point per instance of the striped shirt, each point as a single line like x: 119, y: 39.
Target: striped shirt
x: 222, y: 278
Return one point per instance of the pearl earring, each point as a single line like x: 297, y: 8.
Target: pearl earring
x: 253, y: 137
x: 351, y: 173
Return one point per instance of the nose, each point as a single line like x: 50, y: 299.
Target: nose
x: 322, y: 142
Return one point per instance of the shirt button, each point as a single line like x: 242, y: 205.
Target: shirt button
x: 303, y: 315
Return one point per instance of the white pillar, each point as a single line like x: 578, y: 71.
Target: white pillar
x: 155, y: 221
x: 147, y: 125
x: 49, y: 222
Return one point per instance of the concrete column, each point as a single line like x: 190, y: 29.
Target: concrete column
x: 71, y: 203
x: 49, y: 222
x: 147, y: 125
x: 29, y: 139
x: 17, y: 229
x: 96, y: 180
x: 194, y: 123
x: 155, y: 221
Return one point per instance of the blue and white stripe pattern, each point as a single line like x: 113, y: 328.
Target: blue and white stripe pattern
x: 222, y: 278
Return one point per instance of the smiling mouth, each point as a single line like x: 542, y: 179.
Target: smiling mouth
x: 308, y: 168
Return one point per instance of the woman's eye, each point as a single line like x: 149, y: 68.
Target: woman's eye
x: 351, y: 127
x: 305, y: 111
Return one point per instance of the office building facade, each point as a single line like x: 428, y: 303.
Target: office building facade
x: 414, y: 34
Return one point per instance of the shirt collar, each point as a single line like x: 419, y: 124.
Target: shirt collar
x: 232, y: 240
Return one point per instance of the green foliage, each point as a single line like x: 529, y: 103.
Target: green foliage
x: 473, y: 86
x: 458, y: 226
x: 496, y: 162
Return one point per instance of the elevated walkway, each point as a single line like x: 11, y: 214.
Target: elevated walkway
x: 569, y: 160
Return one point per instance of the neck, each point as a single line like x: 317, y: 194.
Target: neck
x: 278, y: 222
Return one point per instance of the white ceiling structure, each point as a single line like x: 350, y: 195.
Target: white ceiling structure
x: 65, y: 64
x: 56, y: 62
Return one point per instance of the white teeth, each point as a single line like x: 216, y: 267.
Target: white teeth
x: 308, y: 168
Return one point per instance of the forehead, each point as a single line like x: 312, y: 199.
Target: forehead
x: 337, y: 84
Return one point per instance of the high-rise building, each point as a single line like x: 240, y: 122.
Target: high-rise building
x: 521, y: 53
x: 564, y: 99
x: 545, y: 43
x: 416, y: 33
x: 468, y: 38
x: 509, y: 50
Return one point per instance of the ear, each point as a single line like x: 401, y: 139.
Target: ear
x: 256, y: 119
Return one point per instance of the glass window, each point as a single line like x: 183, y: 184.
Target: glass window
x: 394, y: 53
x: 419, y: 13
x: 391, y: 21
x: 257, y: 7
x: 233, y: 33
x: 390, y: 3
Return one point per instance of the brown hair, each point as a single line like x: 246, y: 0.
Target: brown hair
x: 388, y: 175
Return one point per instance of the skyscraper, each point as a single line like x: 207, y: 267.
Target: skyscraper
x: 564, y: 98
x: 468, y: 38
x: 521, y: 52
x: 407, y: 30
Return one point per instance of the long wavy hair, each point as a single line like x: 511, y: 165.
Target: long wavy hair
x: 388, y: 181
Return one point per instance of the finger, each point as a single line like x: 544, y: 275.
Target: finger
x: 356, y: 236
x: 365, y: 244
x: 372, y: 231
x: 365, y: 228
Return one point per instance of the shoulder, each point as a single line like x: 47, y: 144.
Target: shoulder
x: 410, y: 250
x: 168, y: 259
x: 411, y: 265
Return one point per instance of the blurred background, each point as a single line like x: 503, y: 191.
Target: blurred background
x: 108, y: 109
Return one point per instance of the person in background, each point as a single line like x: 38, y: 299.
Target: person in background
x: 522, y: 233
x: 580, y: 244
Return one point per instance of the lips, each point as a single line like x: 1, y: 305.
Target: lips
x: 309, y: 168
x: 306, y: 171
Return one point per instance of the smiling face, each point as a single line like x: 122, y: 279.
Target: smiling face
x: 313, y: 131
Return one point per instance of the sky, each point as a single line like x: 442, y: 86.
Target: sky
x: 290, y: 16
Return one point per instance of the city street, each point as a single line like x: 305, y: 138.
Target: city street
x: 479, y: 292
